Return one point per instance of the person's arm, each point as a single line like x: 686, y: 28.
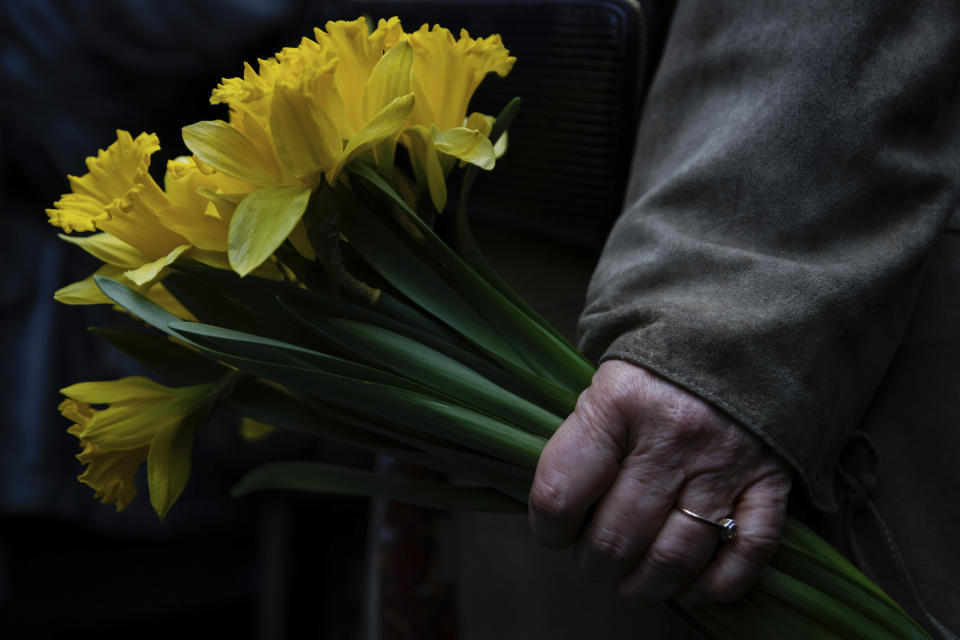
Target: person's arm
x: 794, y: 165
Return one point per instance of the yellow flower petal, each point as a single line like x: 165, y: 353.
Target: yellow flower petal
x: 192, y: 215
x: 225, y: 203
x: 262, y: 222
x: 426, y: 164
x: 357, y: 53
x: 447, y: 72
x: 389, y: 79
x: 139, y: 409
x: 320, y: 83
x: 230, y: 151
x: 110, y: 473
x: 144, y: 420
x: 77, y: 212
x: 468, y: 145
x: 484, y: 124
x: 201, y: 230
x: 389, y: 32
x: 168, y: 463
x: 383, y: 125
x: 306, y: 139
x: 109, y: 249
x: 115, y: 390
x: 118, y: 196
x: 86, y: 291
x: 150, y: 271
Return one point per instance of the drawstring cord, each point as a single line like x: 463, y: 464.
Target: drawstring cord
x: 861, y: 492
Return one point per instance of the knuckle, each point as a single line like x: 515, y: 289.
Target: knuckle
x: 688, y: 411
x: 548, y: 500
x: 595, y: 425
x: 757, y: 548
x: 607, y: 547
x: 670, y: 560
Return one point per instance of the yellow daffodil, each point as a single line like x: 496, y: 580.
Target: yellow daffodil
x: 300, y: 119
x: 143, y: 421
x: 446, y: 73
x: 117, y: 196
x: 141, y: 229
x: 345, y: 95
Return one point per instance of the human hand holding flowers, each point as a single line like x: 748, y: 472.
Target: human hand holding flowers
x: 635, y: 450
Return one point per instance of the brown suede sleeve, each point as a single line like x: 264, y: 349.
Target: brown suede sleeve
x: 794, y: 164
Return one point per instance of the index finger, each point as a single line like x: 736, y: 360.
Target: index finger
x: 577, y: 466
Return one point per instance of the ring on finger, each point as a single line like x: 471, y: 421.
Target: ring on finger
x: 727, y: 526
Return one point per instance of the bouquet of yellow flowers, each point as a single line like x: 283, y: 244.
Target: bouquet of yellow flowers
x: 292, y: 272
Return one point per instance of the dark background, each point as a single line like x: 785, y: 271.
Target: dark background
x: 272, y: 566
x: 74, y: 72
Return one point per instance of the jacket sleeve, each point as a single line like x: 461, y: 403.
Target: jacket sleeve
x: 794, y: 164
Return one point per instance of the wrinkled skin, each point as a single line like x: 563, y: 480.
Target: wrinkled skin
x: 636, y: 448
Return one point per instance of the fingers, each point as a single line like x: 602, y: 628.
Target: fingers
x: 626, y: 522
x: 613, y: 476
x: 576, y: 468
x: 738, y: 563
x: 682, y: 547
x: 680, y: 552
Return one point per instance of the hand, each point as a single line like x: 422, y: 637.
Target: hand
x: 636, y: 449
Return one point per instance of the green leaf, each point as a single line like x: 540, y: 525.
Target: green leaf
x: 266, y: 403
x: 176, y: 363
x: 512, y: 480
x: 542, y: 352
x: 434, y: 369
x: 398, y: 264
x: 837, y: 616
x: 837, y: 585
x: 137, y: 304
x: 312, y: 309
x: 467, y: 245
x: 408, y: 412
x: 745, y: 618
x: 209, y: 304
x: 268, y: 350
x: 702, y: 622
x: 262, y: 222
x: 332, y: 479
x: 801, y: 539
x: 389, y: 305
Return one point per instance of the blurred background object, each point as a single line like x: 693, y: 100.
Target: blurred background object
x: 277, y: 566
